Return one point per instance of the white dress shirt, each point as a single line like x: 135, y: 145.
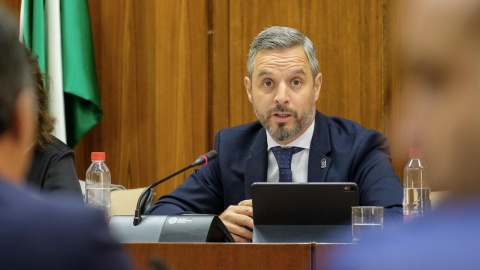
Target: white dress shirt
x: 299, y: 160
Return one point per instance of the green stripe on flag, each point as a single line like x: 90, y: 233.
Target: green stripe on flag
x: 33, y: 29
x: 82, y: 101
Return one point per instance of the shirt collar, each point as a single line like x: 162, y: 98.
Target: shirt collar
x: 303, y: 141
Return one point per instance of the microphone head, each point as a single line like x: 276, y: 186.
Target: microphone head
x: 204, y: 159
x: 211, y: 155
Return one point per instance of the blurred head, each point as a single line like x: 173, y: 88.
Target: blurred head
x: 283, y: 82
x: 441, y: 41
x: 45, y: 121
x: 17, y: 106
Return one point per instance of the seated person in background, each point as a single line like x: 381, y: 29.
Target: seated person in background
x: 441, y: 44
x: 53, y: 165
x: 38, y: 232
x: 283, y: 84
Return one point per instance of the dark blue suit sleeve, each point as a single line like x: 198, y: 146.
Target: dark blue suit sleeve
x: 201, y: 193
x: 377, y: 181
x: 101, y: 251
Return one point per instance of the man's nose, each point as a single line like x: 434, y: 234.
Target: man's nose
x: 282, y: 94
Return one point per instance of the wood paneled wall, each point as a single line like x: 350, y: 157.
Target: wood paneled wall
x: 152, y: 59
x: 171, y: 75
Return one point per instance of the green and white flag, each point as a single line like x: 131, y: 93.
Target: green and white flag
x: 59, y: 32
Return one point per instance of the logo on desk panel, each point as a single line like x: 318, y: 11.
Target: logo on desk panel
x: 172, y: 220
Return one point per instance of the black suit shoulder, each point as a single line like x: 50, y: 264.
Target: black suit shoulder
x: 53, y: 169
x: 59, y: 147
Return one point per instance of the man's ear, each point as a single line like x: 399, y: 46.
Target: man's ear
x: 248, y: 87
x: 18, y: 140
x: 318, y: 85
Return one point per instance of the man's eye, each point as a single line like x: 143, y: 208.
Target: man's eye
x: 297, y: 82
x: 267, y: 83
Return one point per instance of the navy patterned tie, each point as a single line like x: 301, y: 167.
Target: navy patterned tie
x: 284, y: 160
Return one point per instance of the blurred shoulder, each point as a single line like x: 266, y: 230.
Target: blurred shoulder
x: 48, y: 213
x: 446, y: 239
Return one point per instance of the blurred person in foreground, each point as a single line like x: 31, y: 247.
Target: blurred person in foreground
x: 441, y: 46
x: 36, y: 232
x: 53, y: 164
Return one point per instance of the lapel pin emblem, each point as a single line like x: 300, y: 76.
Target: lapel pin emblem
x: 324, y: 163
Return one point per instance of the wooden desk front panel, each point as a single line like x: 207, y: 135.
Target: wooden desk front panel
x: 213, y: 256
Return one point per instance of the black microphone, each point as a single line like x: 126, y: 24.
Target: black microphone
x: 204, y: 159
x: 201, y: 160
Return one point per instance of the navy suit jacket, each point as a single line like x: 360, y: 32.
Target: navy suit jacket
x: 353, y: 154
x: 53, y: 233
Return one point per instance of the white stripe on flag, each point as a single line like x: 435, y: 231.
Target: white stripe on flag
x: 54, y: 66
x: 20, y: 37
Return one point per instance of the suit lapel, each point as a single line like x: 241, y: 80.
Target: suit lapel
x: 318, y: 161
x: 257, y: 164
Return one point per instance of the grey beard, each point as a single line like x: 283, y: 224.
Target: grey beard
x: 282, y: 133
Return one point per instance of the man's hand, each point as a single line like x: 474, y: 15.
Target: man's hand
x: 236, y: 218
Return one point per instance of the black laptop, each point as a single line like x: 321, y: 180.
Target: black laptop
x: 303, y: 212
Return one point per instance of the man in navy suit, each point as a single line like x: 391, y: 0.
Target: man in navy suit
x: 290, y: 142
x: 36, y: 232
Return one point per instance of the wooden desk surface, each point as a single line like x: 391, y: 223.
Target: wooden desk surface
x: 179, y: 256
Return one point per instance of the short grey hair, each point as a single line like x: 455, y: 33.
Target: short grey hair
x: 280, y: 37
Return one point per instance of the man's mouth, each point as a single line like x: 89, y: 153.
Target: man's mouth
x: 281, y: 116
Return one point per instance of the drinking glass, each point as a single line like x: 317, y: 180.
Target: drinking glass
x: 366, y: 219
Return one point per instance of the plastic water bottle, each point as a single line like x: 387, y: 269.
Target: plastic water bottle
x: 416, y: 188
x: 97, y: 184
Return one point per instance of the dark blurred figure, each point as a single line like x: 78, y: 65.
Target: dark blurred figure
x: 36, y: 232
x: 441, y: 46
x: 53, y: 164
